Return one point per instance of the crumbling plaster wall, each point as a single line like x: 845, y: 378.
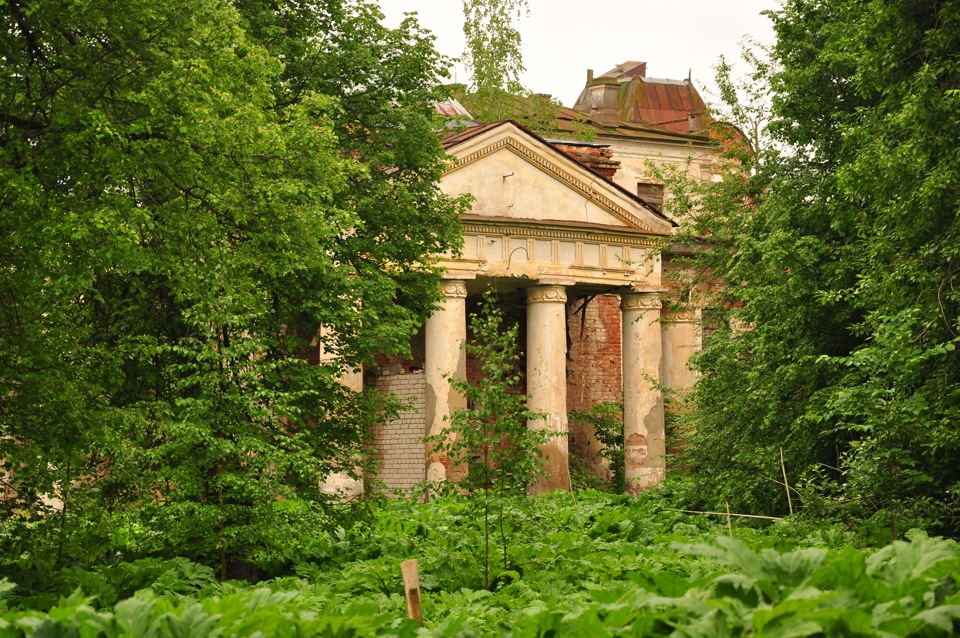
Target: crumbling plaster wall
x: 636, y: 156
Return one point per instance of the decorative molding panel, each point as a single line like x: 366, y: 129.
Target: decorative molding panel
x: 456, y: 288
x: 517, y: 230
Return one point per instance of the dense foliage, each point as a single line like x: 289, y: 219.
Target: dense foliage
x: 834, y: 336
x: 606, y: 420
x: 600, y: 566
x: 196, y: 198
x: 211, y: 210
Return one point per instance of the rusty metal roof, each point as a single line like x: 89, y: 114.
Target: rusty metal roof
x: 573, y: 122
x: 668, y: 105
x: 458, y: 138
x: 629, y: 69
x: 452, y: 108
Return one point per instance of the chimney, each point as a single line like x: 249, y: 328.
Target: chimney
x: 604, y: 98
x: 630, y: 70
x: 599, y: 158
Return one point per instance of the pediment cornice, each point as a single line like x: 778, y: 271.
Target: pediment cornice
x: 586, y: 189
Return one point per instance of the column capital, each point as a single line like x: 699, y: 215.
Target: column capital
x: 640, y: 301
x: 456, y: 288
x: 542, y: 294
x: 681, y: 314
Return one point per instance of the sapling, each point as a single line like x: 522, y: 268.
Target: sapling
x: 490, y: 437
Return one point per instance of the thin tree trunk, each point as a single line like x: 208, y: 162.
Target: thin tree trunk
x: 486, y: 518
x: 63, y: 518
x: 503, y: 535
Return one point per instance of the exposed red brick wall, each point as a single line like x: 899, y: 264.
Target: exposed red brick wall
x: 401, y: 365
x: 514, y: 313
x: 594, y: 368
x: 599, y: 158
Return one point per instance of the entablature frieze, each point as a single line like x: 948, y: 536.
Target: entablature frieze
x: 545, y: 231
x: 525, y: 250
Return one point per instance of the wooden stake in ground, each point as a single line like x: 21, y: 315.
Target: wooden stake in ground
x: 729, y: 520
x: 410, y: 569
x: 785, y: 482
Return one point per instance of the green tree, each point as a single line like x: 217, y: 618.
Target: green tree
x: 493, y: 57
x: 836, y: 336
x: 494, y: 60
x: 195, y: 196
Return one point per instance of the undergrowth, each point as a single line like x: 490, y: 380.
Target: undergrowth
x: 594, y: 565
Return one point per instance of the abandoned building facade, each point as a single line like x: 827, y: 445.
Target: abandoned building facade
x: 568, y: 234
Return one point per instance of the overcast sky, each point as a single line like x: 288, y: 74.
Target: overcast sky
x: 564, y: 38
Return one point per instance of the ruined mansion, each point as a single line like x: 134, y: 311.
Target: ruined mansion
x: 568, y: 234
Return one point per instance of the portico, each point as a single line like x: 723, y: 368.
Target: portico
x: 554, y: 234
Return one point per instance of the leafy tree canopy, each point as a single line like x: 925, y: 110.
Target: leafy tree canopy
x: 494, y: 60
x: 840, y: 315
x: 193, y: 197
x: 493, y: 57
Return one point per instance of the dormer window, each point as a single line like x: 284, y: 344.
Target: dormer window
x: 651, y: 193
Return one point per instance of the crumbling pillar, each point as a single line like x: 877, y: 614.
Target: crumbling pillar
x: 446, y: 332
x: 643, y: 427
x: 682, y: 338
x: 547, y: 379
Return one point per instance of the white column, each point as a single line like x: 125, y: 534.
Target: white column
x: 643, y: 428
x: 547, y: 379
x: 446, y: 332
x: 682, y: 335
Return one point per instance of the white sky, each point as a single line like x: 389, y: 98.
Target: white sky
x: 564, y: 38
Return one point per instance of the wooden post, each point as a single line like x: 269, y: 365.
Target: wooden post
x: 410, y: 569
x: 729, y: 520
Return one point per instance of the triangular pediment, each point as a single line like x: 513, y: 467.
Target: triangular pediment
x: 516, y: 175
